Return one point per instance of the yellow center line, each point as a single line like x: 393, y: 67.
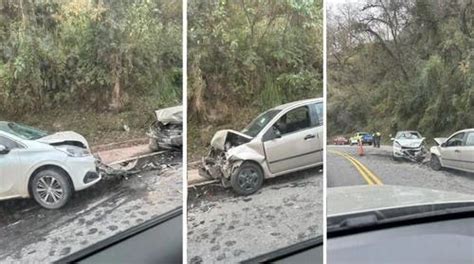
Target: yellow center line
x: 368, y: 175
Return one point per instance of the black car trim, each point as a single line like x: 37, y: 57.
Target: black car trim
x: 296, y: 156
x: 453, y: 214
x: 288, y: 251
x: 115, y: 239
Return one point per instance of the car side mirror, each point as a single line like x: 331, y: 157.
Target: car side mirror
x: 276, y: 132
x: 392, y: 139
x: 443, y: 145
x: 4, y: 149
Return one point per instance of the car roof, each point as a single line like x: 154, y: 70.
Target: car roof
x: 409, y: 131
x: 296, y: 103
x: 465, y: 130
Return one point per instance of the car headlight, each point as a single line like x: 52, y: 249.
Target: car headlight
x: 396, y: 144
x: 72, y: 151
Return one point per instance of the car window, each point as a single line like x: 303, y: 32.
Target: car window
x: 295, y: 120
x: 470, y: 139
x: 320, y: 113
x: 22, y: 131
x: 260, y: 122
x: 456, y: 140
x: 408, y: 135
x: 10, y: 144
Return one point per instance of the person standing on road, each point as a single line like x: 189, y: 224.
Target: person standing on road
x: 377, y: 137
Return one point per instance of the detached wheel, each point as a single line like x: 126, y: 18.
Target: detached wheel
x: 435, y: 164
x: 51, y: 188
x: 247, y: 179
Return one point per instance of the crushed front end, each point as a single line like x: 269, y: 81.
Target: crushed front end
x: 415, y: 151
x: 167, y: 131
x: 217, y: 165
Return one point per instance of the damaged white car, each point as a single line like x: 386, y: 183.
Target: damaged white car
x: 47, y: 167
x: 409, y: 145
x: 167, y: 131
x: 284, y: 139
x: 455, y: 152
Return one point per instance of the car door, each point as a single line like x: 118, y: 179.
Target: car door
x: 450, y: 151
x: 297, y: 145
x: 466, y: 155
x: 10, y: 164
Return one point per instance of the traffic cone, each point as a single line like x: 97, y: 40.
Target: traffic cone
x: 360, y: 150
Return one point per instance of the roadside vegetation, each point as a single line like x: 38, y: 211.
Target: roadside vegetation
x: 247, y: 56
x: 401, y: 65
x: 99, y: 67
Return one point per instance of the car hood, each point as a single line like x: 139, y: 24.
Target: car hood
x: 410, y: 142
x: 66, y: 137
x: 222, y: 136
x: 440, y: 140
x: 355, y: 199
x: 170, y: 115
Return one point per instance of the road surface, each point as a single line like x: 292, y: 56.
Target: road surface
x: 342, y: 171
x: 31, y: 234
x: 226, y: 228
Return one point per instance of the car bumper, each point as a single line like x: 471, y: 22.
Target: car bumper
x: 83, y: 172
x: 407, y: 152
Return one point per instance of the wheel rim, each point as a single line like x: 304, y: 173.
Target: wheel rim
x: 248, y: 179
x: 49, y: 190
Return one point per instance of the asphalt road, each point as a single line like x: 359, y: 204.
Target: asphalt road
x: 31, y: 234
x: 341, y: 171
x: 226, y: 228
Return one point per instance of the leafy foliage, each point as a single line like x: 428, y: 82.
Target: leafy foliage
x: 88, y: 54
x: 252, y: 54
x: 245, y: 56
x: 397, y: 65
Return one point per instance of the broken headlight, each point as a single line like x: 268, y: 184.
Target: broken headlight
x: 72, y: 151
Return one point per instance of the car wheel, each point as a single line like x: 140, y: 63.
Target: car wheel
x: 247, y: 179
x: 51, y: 188
x: 435, y: 163
x: 395, y: 158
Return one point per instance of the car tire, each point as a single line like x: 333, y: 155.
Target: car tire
x: 60, y: 188
x: 247, y: 179
x: 395, y: 158
x: 435, y: 164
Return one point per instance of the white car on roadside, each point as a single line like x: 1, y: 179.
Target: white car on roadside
x: 47, y: 167
x: 455, y: 152
x: 408, y: 145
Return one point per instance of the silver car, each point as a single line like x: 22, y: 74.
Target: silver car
x: 455, y: 152
x: 281, y: 140
x: 408, y: 145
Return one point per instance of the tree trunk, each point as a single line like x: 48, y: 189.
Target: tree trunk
x: 116, y: 104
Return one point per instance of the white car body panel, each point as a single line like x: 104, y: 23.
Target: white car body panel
x: 455, y: 157
x: 61, y: 137
x: 18, y: 166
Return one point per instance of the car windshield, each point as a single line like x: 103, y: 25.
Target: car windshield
x: 408, y: 135
x: 260, y: 122
x: 23, y: 131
